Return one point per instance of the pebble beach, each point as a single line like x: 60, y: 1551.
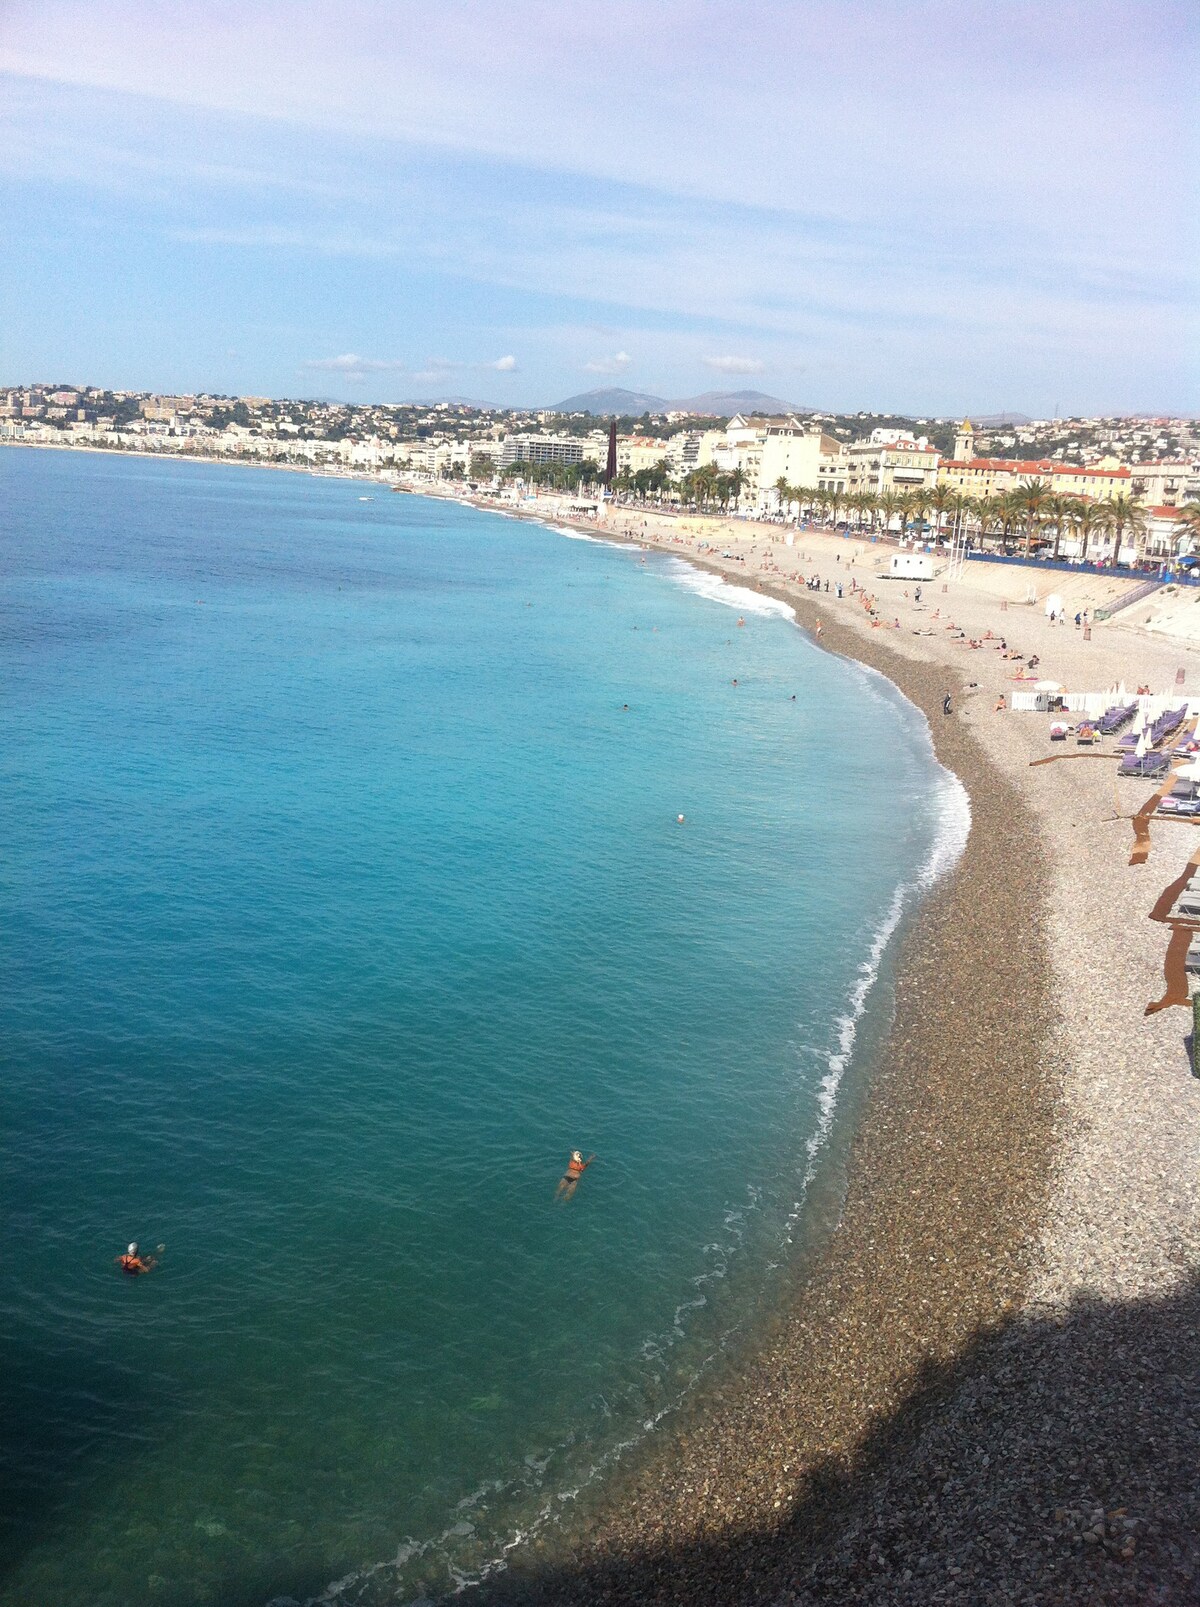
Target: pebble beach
x: 986, y: 1385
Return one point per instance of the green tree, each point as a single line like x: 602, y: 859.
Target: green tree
x: 1187, y: 528
x: 941, y: 499
x: 1031, y: 501
x: 1060, y: 514
x: 891, y: 505
x: 1123, y: 514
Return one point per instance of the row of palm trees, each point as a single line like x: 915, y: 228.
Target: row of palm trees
x: 1031, y: 512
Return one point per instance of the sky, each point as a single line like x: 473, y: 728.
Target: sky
x: 921, y: 206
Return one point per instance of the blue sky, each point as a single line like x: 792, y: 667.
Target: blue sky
x: 932, y: 207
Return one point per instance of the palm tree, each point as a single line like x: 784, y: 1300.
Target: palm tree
x: 990, y: 510
x: 1187, y: 525
x: 890, y: 503
x: 1122, y: 513
x: 941, y: 500
x: 1031, y: 499
x: 735, y: 481
x: 960, y: 508
x: 1088, y: 519
x: 784, y: 492
x: 1059, y: 512
x: 916, y: 506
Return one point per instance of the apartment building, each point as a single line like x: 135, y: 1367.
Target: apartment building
x: 1165, y: 485
x: 890, y: 460
x: 636, y: 452
x: 980, y: 477
x: 524, y: 448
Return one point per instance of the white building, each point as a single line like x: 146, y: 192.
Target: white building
x: 550, y: 449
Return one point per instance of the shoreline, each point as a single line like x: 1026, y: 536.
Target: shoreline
x: 967, y: 1243
x: 876, y: 1320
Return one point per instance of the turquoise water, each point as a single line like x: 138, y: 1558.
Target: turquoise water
x: 342, y: 895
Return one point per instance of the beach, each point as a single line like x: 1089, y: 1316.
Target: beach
x: 985, y: 1389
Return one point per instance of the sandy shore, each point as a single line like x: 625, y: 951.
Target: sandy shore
x: 986, y: 1389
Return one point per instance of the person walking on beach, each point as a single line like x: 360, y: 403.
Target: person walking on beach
x: 569, y: 1181
x: 946, y: 704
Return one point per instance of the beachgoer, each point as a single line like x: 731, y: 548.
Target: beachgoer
x: 946, y: 704
x: 133, y: 1263
x: 1001, y: 703
x: 917, y: 595
x: 569, y: 1181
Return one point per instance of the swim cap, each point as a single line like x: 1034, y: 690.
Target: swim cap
x: 132, y: 1250
x: 576, y: 1154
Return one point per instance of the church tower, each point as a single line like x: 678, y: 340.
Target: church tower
x: 964, y: 442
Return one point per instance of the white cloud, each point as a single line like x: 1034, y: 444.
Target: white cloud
x: 351, y: 361
x: 353, y: 367
x: 735, y: 365
x: 616, y: 364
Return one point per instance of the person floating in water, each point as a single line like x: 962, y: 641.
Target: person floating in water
x: 133, y: 1263
x: 569, y: 1181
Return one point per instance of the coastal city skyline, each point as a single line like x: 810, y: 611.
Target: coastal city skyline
x: 863, y: 209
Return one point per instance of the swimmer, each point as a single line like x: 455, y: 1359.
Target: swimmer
x: 133, y: 1263
x: 569, y: 1181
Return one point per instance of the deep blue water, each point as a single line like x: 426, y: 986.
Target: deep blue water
x: 341, y: 895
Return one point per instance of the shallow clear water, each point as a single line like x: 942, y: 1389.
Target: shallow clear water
x: 341, y: 897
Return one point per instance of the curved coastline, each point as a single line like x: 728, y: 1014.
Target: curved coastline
x: 948, y: 1169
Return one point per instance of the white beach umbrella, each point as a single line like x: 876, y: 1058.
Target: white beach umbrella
x: 1048, y: 686
x: 1139, y: 720
x: 1189, y: 772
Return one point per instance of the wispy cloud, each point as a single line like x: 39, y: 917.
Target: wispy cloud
x: 734, y: 365
x: 352, y: 363
x: 616, y: 364
x: 325, y: 242
x: 352, y: 368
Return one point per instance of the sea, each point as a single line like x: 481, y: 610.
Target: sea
x: 363, y: 855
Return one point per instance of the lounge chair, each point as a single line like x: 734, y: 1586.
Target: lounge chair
x: 1146, y: 768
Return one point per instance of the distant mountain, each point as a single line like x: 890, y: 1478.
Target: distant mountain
x: 724, y: 404
x: 713, y: 404
x: 612, y: 399
x: 991, y: 421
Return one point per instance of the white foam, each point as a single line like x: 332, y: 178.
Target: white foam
x: 950, y: 838
x: 581, y: 535
x: 719, y: 590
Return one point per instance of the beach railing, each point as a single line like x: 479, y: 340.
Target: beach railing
x: 1134, y: 596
